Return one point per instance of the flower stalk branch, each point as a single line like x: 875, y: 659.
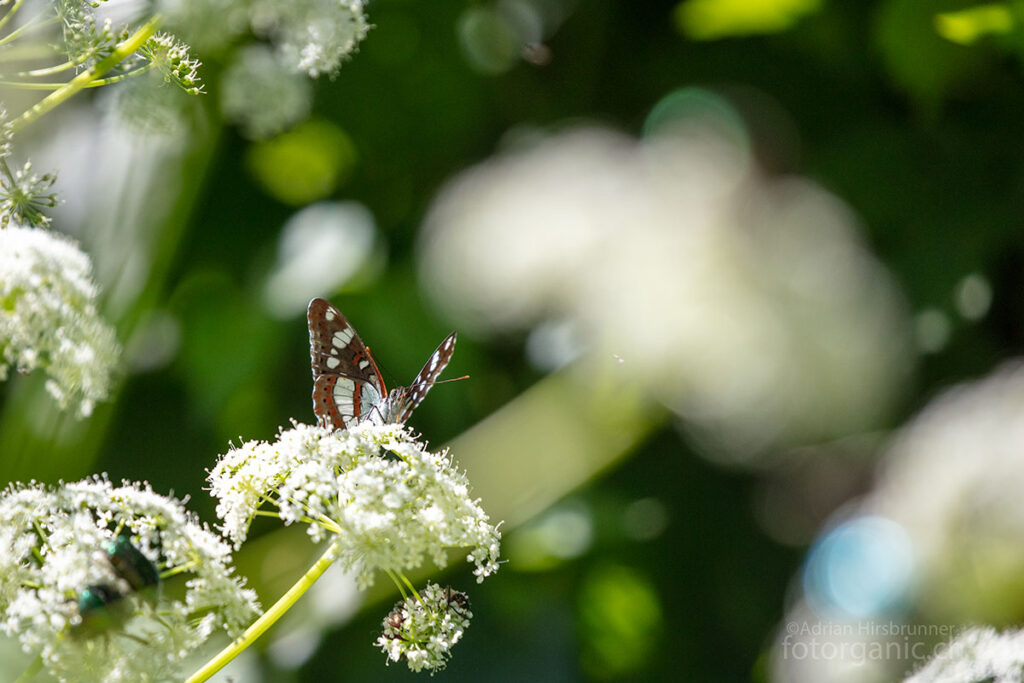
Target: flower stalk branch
x: 124, y: 50
x: 275, y: 612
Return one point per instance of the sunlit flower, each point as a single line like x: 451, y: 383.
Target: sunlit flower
x: 422, y: 630
x: 312, y: 36
x: 384, y: 500
x: 979, y: 654
x: 747, y: 305
x: 92, y: 613
x: 262, y: 95
x: 48, y: 317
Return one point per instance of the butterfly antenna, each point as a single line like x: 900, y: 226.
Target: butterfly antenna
x: 454, y: 379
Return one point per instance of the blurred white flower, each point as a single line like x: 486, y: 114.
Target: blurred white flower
x: 979, y: 654
x: 423, y: 629
x: 262, y: 95
x: 748, y: 305
x: 811, y: 648
x: 322, y: 247
x: 953, y: 480
x: 312, y: 36
x: 68, y: 598
x: 207, y: 25
x: 385, y: 500
x: 947, y: 502
x: 48, y: 317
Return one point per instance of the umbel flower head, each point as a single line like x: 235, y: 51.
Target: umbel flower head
x: 86, y: 39
x: 978, y: 654
x: 382, y: 498
x: 48, y: 317
x: 312, y: 36
x: 24, y: 195
x: 81, y: 572
x: 171, y: 58
x: 422, y: 629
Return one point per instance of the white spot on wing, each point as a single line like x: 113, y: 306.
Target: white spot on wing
x: 333, y: 362
x: 343, y: 390
x: 342, y: 337
x: 370, y: 395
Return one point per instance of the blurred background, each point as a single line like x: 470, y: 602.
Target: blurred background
x: 738, y: 286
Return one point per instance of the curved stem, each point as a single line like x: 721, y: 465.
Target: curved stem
x: 28, y: 26
x: 32, y: 671
x: 268, y: 619
x: 10, y: 13
x: 82, y: 80
x: 99, y: 82
x: 47, y: 71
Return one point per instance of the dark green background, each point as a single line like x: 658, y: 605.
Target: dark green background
x: 921, y: 137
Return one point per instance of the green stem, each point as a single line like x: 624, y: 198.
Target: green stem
x: 10, y: 13
x: 187, y: 567
x: 32, y: 671
x: 268, y: 619
x: 47, y: 71
x: 6, y: 170
x: 398, y: 584
x: 28, y: 26
x: 82, y: 80
x: 99, y: 82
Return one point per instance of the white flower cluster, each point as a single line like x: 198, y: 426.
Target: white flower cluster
x: 978, y: 654
x: 52, y: 555
x: 952, y: 479
x: 422, y: 630
x: 48, y: 317
x: 310, y: 36
x: 384, y: 498
x: 944, y: 539
x: 748, y: 305
x: 262, y: 95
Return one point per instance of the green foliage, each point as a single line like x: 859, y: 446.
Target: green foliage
x: 908, y: 110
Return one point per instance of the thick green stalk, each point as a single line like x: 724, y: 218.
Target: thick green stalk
x: 32, y: 671
x: 82, y: 80
x: 268, y: 619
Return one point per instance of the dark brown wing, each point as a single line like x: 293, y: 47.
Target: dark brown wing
x: 417, y: 391
x: 346, y: 381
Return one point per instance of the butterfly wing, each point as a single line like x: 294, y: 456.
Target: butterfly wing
x: 417, y: 391
x: 346, y: 381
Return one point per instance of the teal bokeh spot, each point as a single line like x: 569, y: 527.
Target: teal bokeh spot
x: 862, y: 568
x: 692, y: 105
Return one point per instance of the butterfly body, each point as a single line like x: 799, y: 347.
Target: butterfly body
x: 347, y: 385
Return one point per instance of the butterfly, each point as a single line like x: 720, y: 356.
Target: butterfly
x: 347, y: 385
